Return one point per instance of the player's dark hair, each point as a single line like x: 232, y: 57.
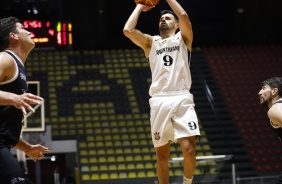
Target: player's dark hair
x: 7, y: 25
x: 274, y: 82
x: 170, y: 12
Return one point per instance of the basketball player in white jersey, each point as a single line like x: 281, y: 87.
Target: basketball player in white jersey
x: 271, y: 95
x: 173, y: 117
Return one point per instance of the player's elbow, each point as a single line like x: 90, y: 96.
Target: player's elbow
x: 127, y: 32
x: 183, y: 15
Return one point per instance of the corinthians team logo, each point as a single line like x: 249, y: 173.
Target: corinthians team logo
x: 157, y: 136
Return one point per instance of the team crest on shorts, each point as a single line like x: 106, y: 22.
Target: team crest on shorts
x: 157, y: 136
x: 17, y: 180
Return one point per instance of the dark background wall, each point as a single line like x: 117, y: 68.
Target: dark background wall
x: 98, y: 24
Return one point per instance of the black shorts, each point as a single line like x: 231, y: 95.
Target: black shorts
x: 10, y: 170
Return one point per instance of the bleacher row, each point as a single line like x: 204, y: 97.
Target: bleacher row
x: 239, y: 71
x: 100, y: 98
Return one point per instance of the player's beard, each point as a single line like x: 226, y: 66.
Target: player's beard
x: 265, y: 102
x: 164, y: 28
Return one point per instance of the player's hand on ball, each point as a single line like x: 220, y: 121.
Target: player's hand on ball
x: 145, y: 7
x: 147, y: 2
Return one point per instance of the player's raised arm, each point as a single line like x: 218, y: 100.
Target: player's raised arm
x: 142, y: 40
x: 185, y: 25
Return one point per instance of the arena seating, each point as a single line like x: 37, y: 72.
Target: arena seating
x: 100, y: 98
x: 238, y: 72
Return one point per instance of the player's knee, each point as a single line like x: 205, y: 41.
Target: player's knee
x: 188, y: 151
x: 162, y: 156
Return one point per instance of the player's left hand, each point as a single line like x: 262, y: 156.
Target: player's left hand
x: 145, y: 7
x: 36, y: 152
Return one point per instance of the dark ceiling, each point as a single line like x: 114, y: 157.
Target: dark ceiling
x: 99, y: 23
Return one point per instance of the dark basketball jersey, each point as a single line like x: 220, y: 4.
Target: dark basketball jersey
x: 11, y: 117
x: 279, y: 129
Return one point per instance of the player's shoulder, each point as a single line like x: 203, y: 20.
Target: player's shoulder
x: 277, y: 106
x: 5, y: 56
x: 6, y: 60
x: 275, y: 111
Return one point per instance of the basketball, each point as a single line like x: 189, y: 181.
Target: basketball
x: 147, y: 2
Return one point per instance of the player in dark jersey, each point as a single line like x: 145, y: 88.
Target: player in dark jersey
x: 271, y: 95
x: 15, y: 101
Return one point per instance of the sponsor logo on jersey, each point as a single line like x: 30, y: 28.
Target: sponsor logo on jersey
x: 168, y: 49
x: 23, y: 77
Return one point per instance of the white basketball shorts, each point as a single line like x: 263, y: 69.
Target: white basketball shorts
x: 172, y: 117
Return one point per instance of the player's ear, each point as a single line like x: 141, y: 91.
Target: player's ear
x: 274, y: 91
x: 13, y: 35
x: 176, y: 26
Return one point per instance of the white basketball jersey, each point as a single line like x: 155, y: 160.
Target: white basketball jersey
x: 169, y: 61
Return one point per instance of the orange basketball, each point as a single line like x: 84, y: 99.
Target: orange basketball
x: 147, y: 2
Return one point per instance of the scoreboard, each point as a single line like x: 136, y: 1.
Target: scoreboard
x: 49, y: 34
